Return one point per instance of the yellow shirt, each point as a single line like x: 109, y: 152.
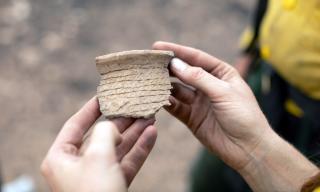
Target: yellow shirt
x: 290, y: 41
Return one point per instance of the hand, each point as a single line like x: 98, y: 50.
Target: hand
x: 243, y: 63
x: 220, y: 110
x: 223, y: 114
x: 104, y: 161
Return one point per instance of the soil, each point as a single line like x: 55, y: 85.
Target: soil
x: 47, y: 71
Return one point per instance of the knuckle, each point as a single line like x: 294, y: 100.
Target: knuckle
x: 197, y: 73
x: 233, y: 71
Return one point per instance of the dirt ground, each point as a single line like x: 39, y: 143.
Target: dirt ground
x: 47, y: 71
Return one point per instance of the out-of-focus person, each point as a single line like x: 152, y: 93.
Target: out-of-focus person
x: 280, y: 60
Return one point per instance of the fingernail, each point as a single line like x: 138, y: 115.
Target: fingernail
x: 172, y: 103
x: 103, y: 124
x: 151, y: 120
x: 178, y: 64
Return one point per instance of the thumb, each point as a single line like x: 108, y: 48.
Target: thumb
x: 103, y: 141
x: 198, y: 78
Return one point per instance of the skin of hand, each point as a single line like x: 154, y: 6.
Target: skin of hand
x: 242, y: 64
x: 222, y: 112
x: 106, y: 160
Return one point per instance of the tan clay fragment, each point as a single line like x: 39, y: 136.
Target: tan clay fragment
x: 133, y: 83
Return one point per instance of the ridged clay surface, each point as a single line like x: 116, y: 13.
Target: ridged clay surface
x: 133, y: 83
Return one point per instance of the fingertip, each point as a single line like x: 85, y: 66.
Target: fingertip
x: 152, y: 131
x: 93, y: 101
x: 151, y: 120
x: 104, y: 124
x: 184, y: 72
x: 105, y: 133
x: 175, y: 108
x: 177, y: 65
x: 172, y: 100
x: 149, y: 136
x: 113, y: 128
x: 145, y: 121
x: 122, y: 123
x: 184, y: 93
x: 158, y: 44
x: 104, y: 129
x: 115, y: 135
x: 95, y: 97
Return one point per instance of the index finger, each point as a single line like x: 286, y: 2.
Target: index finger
x: 195, y: 57
x: 74, y: 129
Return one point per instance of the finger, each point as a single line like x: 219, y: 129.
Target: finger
x: 102, y: 143
x: 75, y: 128
x: 196, y: 57
x: 131, y: 135
x: 87, y: 138
x: 134, y: 160
x: 122, y: 123
x: 199, y: 78
x: 183, y: 93
x: 179, y: 109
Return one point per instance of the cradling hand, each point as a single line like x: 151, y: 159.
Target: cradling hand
x: 106, y: 160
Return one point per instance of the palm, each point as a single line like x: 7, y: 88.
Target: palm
x: 201, y: 119
x: 208, y: 122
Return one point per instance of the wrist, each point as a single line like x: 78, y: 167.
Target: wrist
x: 276, y: 166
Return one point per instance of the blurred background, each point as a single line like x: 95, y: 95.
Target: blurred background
x: 47, y: 71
